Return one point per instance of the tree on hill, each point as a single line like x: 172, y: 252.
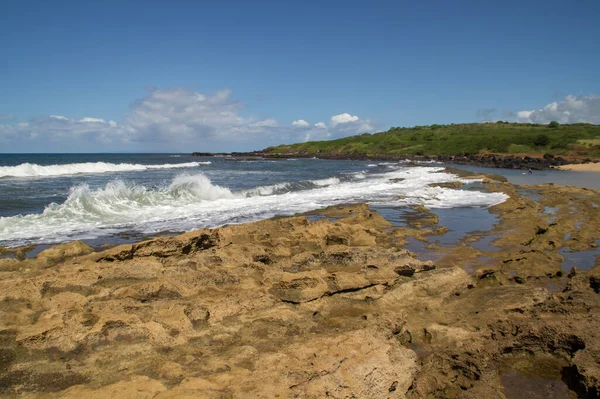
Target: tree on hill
x: 553, y: 124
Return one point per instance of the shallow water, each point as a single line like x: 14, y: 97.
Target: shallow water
x: 463, y: 222
x: 533, y: 195
x: 562, y: 177
x: 486, y: 243
x: 551, y: 213
x: 47, y: 199
x: 583, y: 260
x: 420, y: 249
x: 120, y: 198
x: 399, y: 216
x: 520, y: 386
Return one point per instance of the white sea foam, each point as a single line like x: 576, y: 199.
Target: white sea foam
x: 431, y: 162
x: 193, y: 201
x: 326, y: 182
x: 38, y: 171
x: 287, y: 187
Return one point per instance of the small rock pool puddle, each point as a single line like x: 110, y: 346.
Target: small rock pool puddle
x: 551, y: 213
x: 472, y: 225
x: 533, y: 195
x: 534, y: 376
x: 583, y: 260
x: 519, y: 386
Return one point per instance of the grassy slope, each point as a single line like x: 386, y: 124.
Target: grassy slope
x: 570, y: 140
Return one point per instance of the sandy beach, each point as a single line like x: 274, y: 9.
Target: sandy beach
x: 583, y: 167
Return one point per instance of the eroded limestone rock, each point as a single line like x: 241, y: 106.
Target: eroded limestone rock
x: 293, y: 308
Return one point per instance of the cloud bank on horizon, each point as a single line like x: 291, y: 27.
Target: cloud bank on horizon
x: 176, y: 119
x: 180, y: 119
x: 572, y: 109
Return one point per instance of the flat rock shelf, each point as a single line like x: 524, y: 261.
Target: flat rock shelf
x: 316, y: 306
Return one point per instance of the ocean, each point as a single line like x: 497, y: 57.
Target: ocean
x: 115, y: 198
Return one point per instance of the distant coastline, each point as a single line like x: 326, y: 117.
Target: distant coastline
x: 504, y: 161
x: 494, y: 145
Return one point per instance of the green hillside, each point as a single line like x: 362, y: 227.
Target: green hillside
x: 579, y: 140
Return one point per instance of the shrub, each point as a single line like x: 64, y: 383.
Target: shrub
x: 541, y: 140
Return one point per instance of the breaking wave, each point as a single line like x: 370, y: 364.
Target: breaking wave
x: 193, y: 201
x: 35, y: 170
x: 288, y: 187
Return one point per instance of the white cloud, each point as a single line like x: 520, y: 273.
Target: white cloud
x: 572, y: 109
x: 92, y: 120
x: 55, y: 132
x: 169, y: 119
x: 266, y: 123
x: 339, y: 126
x: 181, y: 115
x: 300, y: 123
x: 7, y: 117
x: 524, y: 114
x: 346, y: 124
x: 342, y: 118
x: 176, y: 119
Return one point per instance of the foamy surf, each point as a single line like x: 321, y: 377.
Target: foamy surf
x: 193, y: 201
x: 288, y: 187
x: 33, y: 170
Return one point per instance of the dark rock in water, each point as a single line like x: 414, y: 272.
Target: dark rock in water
x: 208, y: 154
x: 454, y: 184
x: 487, y: 160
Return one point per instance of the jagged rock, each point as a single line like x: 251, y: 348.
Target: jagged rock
x: 454, y: 184
x: 293, y: 308
x: 59, y: 253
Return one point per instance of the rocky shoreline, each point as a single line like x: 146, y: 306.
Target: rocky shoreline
x: 548, y: 161
x: 324, y: 305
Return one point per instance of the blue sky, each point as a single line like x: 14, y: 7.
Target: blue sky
x: 159, y: 76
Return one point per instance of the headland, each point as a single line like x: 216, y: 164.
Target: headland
x: 494, y: 145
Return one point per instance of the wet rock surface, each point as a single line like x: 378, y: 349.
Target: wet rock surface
x: 335, y: 307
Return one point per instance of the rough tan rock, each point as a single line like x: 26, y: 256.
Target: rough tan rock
x: 138, y: 387
x: 59, y: 253
x: 293, y: 308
